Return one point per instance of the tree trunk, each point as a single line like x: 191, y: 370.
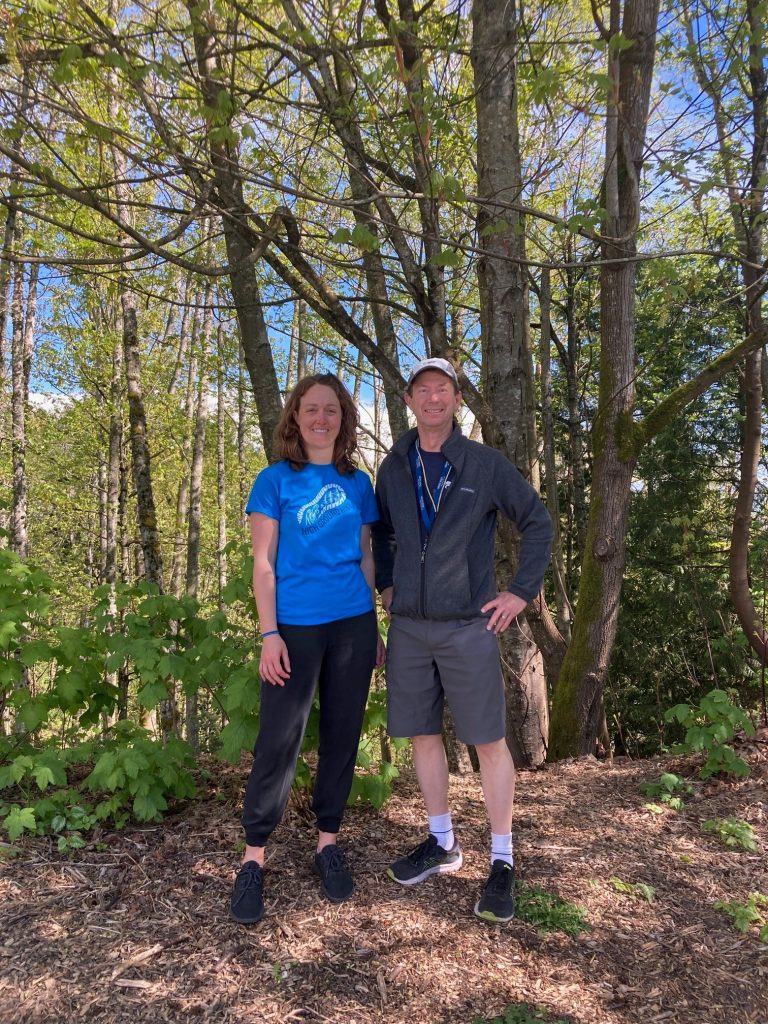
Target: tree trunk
x: 221, y: 474
x: 113, y: 466
x: 503, y: 322
x: 19, y: 536
x: 182, y: 493
x: 196, y: 497
x: 238, y: 239
x: 746, y: 208
x: 334, y: 92
x: 577, y: 705
x: 741, y: 591
x: 548, y: 459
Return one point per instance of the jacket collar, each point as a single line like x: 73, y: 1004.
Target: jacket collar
x: 453, y: 447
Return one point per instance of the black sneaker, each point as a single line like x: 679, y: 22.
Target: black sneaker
x: 497, y: 904
x: 247, y: 904
x: 428, y: 858
x: 335, y: 876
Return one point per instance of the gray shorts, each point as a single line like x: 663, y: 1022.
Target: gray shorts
x: 429, y: 662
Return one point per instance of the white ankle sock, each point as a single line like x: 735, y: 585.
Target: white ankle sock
x: 501, y: 848
x: 441, y: 827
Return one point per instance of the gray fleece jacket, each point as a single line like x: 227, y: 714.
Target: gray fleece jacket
x: 453, y: 577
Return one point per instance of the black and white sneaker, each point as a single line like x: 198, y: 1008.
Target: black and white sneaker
x: 247, y: 903
x: 428, y: 858
x: 497, y: 904
x: 335, y: 876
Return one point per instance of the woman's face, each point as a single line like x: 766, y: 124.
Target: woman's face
x: 319, y: 422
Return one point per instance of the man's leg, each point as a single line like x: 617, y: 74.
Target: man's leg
x: 415, y: 709
x: 431, y: 766
x: 440, y: 852
x: 497, y: 774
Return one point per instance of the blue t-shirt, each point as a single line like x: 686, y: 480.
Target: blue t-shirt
x: 320, y: 512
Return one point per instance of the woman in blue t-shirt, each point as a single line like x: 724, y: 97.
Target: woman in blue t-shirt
x: 310, y: 517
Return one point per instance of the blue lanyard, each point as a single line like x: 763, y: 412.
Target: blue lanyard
x: 428, y: 510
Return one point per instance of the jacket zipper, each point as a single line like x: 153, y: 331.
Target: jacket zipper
x: 423, y: 581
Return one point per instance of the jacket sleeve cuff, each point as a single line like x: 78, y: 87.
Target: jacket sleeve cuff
x: 521, y: 592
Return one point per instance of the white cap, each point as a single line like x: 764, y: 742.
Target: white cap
x: 440, y: 365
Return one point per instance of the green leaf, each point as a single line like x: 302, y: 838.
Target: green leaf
x: 35, y: 651
x: 602, y: 82
x: 619, y: 42
x: 150, y: 695
x: 18, y: 820
x: 238, y: 735
x: 43, y: 776
x: 147, y: 806
x: 446, y: 258
x: 364, y: 239
x: 498, y: 227
x: 20, y: 766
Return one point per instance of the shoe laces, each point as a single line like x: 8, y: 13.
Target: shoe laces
x: 499, y: 879
x: 423, y: 849
x: 248, y: 877
x: 336, y: 860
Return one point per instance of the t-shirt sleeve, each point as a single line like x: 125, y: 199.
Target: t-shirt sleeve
x: 369, y: 510
x: 265, y: 495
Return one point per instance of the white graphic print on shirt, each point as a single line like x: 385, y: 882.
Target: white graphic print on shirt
x: 316, y: 513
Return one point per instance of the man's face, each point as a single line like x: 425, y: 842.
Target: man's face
x: 432, y: 400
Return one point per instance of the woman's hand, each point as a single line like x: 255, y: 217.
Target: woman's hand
x: 381, y: 652
x: 275, y: 665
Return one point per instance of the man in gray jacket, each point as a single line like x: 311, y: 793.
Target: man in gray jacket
x: 439, y: 494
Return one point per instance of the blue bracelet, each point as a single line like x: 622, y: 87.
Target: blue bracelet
x: 271, y: 632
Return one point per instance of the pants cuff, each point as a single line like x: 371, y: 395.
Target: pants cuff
x: 329, y: 825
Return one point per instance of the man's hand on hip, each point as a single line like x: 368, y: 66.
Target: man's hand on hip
x: 505, y: 608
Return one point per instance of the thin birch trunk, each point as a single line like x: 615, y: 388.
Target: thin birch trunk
x: 548, y: 453
x: 221, y: 475
x: 182, y: 492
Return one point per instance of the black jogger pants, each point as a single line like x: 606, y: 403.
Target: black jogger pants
x: 338, y: 658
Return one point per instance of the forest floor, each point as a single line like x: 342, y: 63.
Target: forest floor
x: 134, y: 928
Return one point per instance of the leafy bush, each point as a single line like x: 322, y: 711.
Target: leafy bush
x: 138, y: 649
x: 670, y: 790
x: 709, y: 728
x: 744, y: 915
x: 733, y: 833
x: 133, y: 775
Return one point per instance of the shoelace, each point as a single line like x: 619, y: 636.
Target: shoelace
x: 499, y: 879
x: 422, y: 850
x: 336, y: 861
x: 247, y: 880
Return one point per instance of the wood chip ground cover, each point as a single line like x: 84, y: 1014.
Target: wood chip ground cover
x: 134, y: 928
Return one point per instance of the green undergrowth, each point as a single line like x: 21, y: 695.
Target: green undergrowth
x: 733, y: 833
x: 637, y: 890
x: 522, y: 1013
x: 746, y: 915
x: 710, y: 728
x: 547, y: 912
x: 80, y: 754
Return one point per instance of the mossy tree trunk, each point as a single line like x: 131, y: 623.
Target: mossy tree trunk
x: 577, y: 706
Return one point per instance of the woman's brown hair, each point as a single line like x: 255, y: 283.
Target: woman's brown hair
x: 288, y: 443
